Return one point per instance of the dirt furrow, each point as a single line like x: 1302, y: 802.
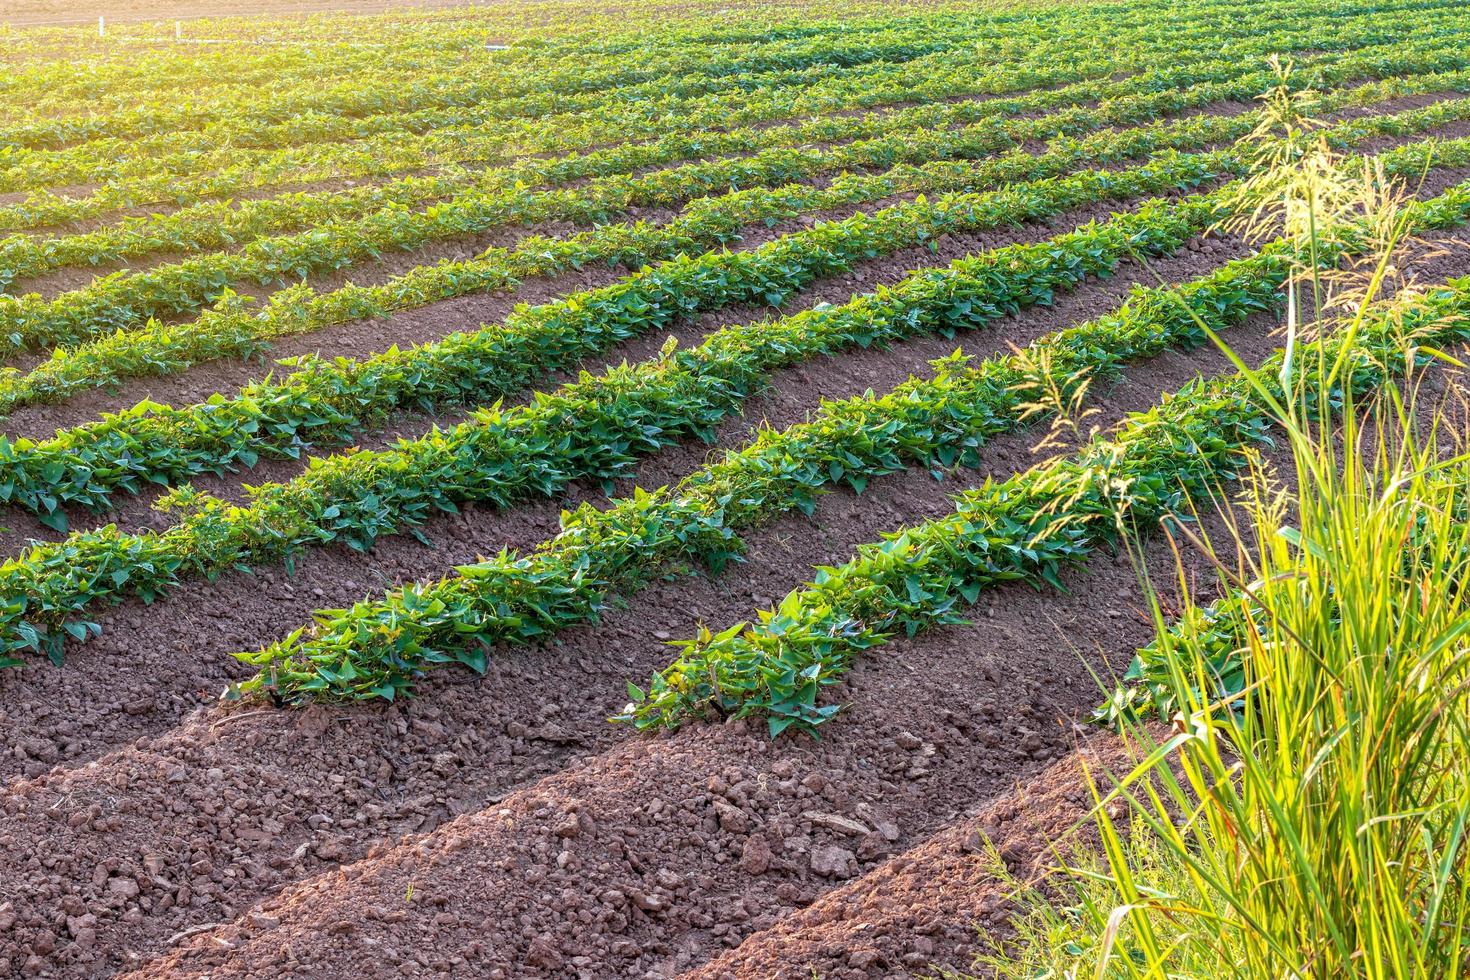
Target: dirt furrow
x: 662, y: 852
x: 920, y: 909
x: 655, y: 856
x: 193, y: 824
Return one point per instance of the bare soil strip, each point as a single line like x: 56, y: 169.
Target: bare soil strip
x: 921, y: 909
x: 664, y: 850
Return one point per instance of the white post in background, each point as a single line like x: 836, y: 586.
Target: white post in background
x: 101, y: 26
x: 178, y: 30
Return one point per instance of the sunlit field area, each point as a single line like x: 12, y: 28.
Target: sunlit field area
x: 711, y: 490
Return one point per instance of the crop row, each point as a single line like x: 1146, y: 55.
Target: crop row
x: 378, y: 648
x: 404, y: 77
x: 160, y: 179
x: 780, y: 154
x: 262, y: 84
x: 121, y: 300
x: 881, y: 142
x: 218, y: 226
x: 102, y: 72
x: 160, y: 445
x: 944, y: 75
x: 356, y: 497
x: 1146, y: 687
x: 217, y: 78
x: 187, y: 176
x: 471, y: 144
x: 1028, y: 528
x: 528, y: 83
x: 127, y: 297
x: 192, y: 152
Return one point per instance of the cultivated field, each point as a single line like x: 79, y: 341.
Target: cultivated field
x: 390, y: 401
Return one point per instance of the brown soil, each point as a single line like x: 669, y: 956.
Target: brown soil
x: 649, y: 858
x: 933, y: 727
x: 423, y: 838
x: 920, y: 910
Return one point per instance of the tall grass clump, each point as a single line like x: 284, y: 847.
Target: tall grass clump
x: 1312, y: 821
x: 1305, y: 813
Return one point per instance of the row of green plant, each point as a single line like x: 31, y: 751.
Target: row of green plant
x: 505, y: 92
x: 219, y: 226
x: 470, y: 144
x: 254, y: 83
x: 459, y: 145
x: 867, y: 141
x: 605, y: 29
x: 127, y: 298
x: 380, y: 648
x: 49, y: 86
x: 945, y: 76
x: 193, y: 152
x: 258, y: 84
x: 358, y: 496
x: 154, y: 444
x: 113, y: 76
x: 1028, y: 528
x: 184, y: 178
x: 267, y: 74
x: 377, y: 648
x: 340, y: 499
x: 231, y: 330
x: 245, y: 80
x: 127, y: 450
x: 529, y: 70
